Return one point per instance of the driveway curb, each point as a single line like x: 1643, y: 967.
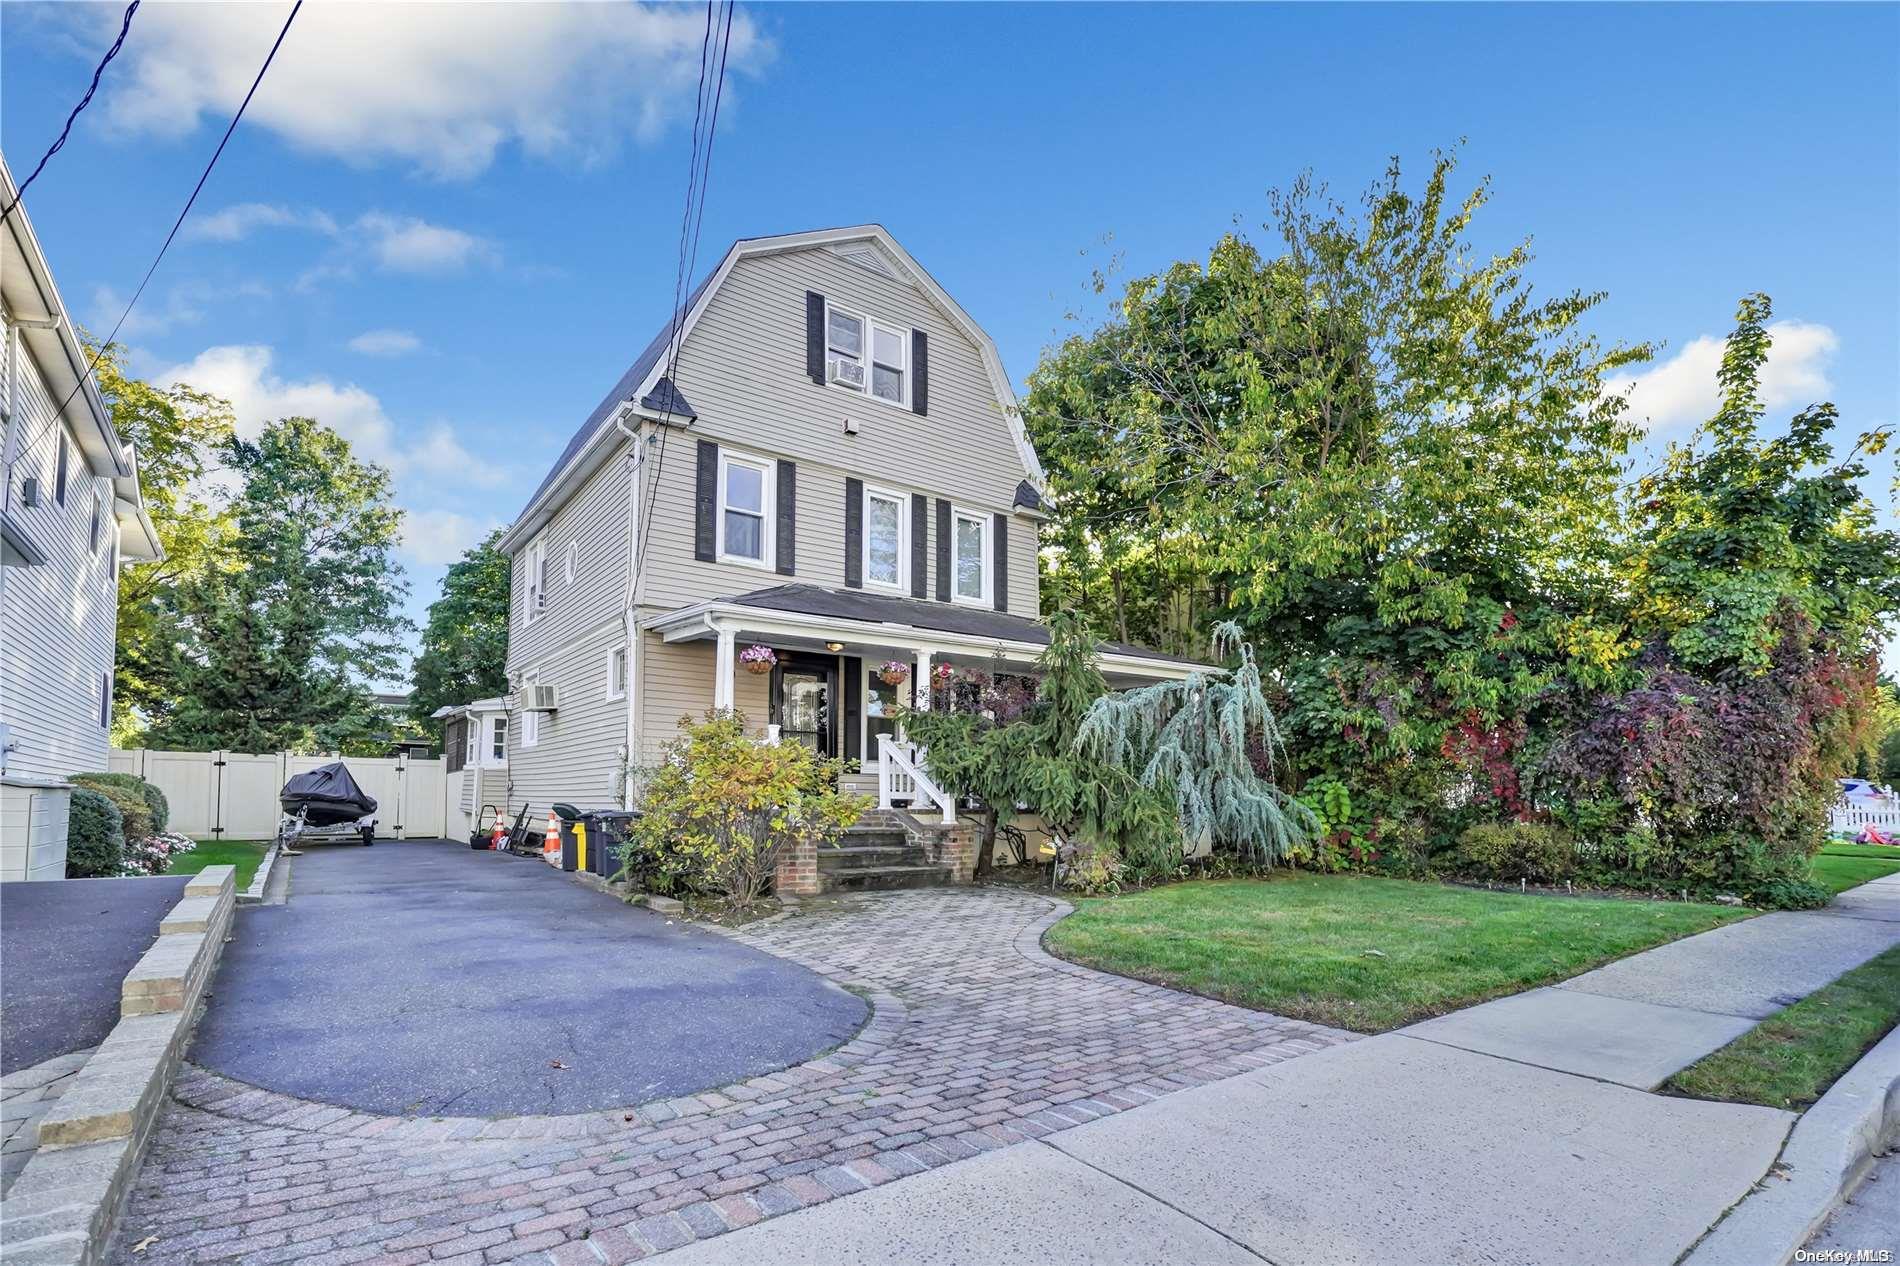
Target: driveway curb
x: 1830, y: 1150
x: 64, y: 1207
x: 254, y: 894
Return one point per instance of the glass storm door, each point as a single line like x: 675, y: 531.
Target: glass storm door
x: 805, y: 709
x: 880, y: 712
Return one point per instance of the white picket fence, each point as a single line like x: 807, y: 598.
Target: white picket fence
x: 233, y: 795
x: 1850, y: 816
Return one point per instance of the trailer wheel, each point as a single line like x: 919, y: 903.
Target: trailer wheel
x: 369, y: 836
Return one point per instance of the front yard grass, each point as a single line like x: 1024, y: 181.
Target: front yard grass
x: 1359, y: 952
x: 1791, y: 1058
x: 243, y: 854
x: 1838, y: 867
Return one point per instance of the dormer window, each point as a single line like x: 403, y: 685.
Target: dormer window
x: 867, y: 356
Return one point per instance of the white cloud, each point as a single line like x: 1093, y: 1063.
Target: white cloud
x: 235, y: 223
x: 1681, y: 392
x: 385, y: 343
x: 160, y: 311
x: 422, y: 460
x: 405, y: 244
x: 439, y: 537
x: 441, y: 89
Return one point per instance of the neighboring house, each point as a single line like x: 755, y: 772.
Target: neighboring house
x: 475, y: 756
x: 832, y: 466
x: 71, y: 516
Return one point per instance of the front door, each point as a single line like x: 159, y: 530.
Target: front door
x: 802, y: 695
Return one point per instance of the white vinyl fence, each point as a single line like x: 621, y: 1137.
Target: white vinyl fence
x: 1849, y: 817
x: 233, y: 795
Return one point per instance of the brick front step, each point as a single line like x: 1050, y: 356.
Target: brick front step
x: 867, y: 878
x: 859, y: 856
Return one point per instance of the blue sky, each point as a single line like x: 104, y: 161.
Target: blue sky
x: 446, y: 229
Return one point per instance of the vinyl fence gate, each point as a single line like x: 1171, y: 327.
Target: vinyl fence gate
x: 233, y: 795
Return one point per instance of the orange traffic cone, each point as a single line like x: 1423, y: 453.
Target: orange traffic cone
x: 551, y: 842
x: 494, y: 841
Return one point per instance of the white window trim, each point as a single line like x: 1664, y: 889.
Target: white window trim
x: 902, y: 584
x: 472, y: 731
x: 871, y: 325
x: 530, y: 719
x: 621, y: 693
x: 982, y: 520
x: 489, y: 726
x: 768, y: 501
x: 537, y: 601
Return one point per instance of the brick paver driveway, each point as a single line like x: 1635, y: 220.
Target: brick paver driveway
x: 978, y: 1040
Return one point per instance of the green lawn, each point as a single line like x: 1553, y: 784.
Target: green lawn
x: 1838, y: 867
x: 1359, y: 952
x: 243, y: 854
x: 1791, y: 1058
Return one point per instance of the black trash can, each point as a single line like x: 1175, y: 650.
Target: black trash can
x: 606, y: 832
x: 570, y: 846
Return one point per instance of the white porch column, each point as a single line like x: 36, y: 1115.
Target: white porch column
x: 920, y: 693
x: 722, y: 670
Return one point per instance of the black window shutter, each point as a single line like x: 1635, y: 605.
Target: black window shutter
x: 943, y: 551
x: 787, y: 518
x: 705, y: 498
x: 919, y: 545
x: 853, y: 708
x: 815, y: 336
x: 919, y: 372
x: 999, y: 530
x: 854, y: 533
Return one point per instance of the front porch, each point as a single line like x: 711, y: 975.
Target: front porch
x: 839, y: 669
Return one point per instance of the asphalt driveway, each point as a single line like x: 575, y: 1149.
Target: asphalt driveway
x: 65, y: 946
x: 426, y: 978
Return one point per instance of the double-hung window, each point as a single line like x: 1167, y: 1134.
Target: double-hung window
x: 470, y: 749
x: 530, y: 719
x: 970, y: 556
x: 886, y: 539
x: 869, y: 357
x: 617, y: 673
x: 745, y: 509
x: 498, y: 741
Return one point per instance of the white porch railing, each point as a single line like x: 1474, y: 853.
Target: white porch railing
x: 901, y: 776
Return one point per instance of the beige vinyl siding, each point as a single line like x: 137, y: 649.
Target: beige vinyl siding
x: 1025, y: 541
x: 577, y: 756
x: 743, y: 368
x: 595, y: 518
x: 676, y: 680
x: 59, y: 618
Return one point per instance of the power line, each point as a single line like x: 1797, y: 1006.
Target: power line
x: 97, y: 73
x: 180, y: 221
x: 690, y: 220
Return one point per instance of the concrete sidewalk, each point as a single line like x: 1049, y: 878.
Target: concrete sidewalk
x: 1515, y: 1131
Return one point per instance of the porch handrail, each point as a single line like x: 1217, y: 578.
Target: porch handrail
x: 900, y: 776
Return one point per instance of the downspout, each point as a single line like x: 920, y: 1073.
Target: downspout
x: 629, y: 611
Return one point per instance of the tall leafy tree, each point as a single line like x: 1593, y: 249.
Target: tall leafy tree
x: 1375, y: 449
x: 464, y: 651
x: 284, y: 645
x: 178, y: 434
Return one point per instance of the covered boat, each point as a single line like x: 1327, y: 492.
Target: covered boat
x: 326, y: 796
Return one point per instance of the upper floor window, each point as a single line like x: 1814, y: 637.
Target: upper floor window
x: 886, y: 544
x: 852, y: 340
x: 970, y: 546
x: 745, y: 508
x: 537, y: 579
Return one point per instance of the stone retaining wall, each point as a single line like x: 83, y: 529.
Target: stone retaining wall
x: 64, y: 1206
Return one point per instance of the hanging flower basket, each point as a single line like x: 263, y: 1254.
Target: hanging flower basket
x: 893, y: 672
x: 943, y: 674
x: 758, y: 659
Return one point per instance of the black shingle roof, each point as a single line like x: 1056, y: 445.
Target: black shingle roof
x: 945, y: 617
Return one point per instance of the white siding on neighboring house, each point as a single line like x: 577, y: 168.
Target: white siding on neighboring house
x: 58, y: 619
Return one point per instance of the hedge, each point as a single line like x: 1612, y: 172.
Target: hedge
x: 95, y: 836
x: 154, y: 798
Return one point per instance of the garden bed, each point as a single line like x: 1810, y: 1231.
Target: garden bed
x: 1360, y: 952
x: 246, y: 855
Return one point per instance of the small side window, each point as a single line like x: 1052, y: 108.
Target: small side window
x: 59, y: 474
x: 105, y: 701
x: 93, y: 540
x: 498, y: 749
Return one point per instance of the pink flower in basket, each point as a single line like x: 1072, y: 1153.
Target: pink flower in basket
x: 943, y: 673
x: 758, y: 659
x: 893, y: 672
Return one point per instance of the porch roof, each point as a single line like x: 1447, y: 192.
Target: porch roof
x: 881, y: 619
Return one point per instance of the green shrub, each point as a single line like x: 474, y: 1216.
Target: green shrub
x: 134, y: 813
x: 154, y: 799
x: 95, y: 836
x: 1789, y: 894
x: 1531, y: 851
